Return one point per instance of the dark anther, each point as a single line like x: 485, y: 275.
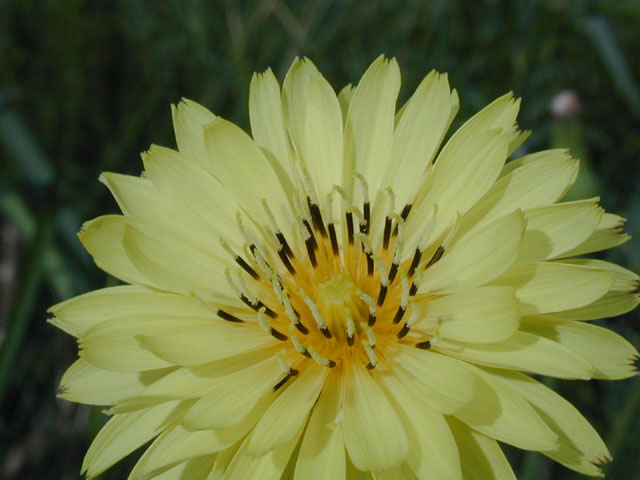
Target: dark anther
x: 325, y: 331
x: 382, y: 295
x: 424, y: 345
x: 311, y: 235
x: 316, y: 217
x: 370, y: 366
x: 301, y: 328
x: 285, y: 260
x: 285, y: 246
x: 280, y: 336
x: 414, y: 263
x: 413, y: 289
x: 404, y: 330
x: 387, y: 233
x: 392, y: 272
x: 258, y: 305
x: 403, y: 215
x: 228, y: 317
x: 350, y: 340
x: 349, y: 217
x: 369, y: 263
x: 334, y: 239
x: 436, y: 256
x: 399, y: 314
x: 366, y: 211
x: 291, y: 373
x: 331, y: 364
x: 372, y: 319
x: 306, y: 354
x: 247, y: 268
x: 309, y: 242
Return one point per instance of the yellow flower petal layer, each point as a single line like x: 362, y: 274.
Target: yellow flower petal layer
x: 481, y: 457
x: 480, y: 315
x: 373, y: 432
x: 322, y: 452
x: 523, y: 351
x: 580, y: 446
x: 611, y: 356
x: 553, y: 287
x: 607, y: 235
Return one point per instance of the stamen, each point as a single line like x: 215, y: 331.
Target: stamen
x: 373, y: 359
x: 349, y: 218
x: 297, y: 344
x: 239, y: 260
x: 288, y: 371
x: 424, y: 345
x: 437, y: 255
x: 243, y: 292
x: 261, y: 261
x: 373, y: 310
x: 284, y: 245
x: 283, y: 297
x: 371, y: 337
x: 366, y: 206
x: 351, y: 327
x: 404, y: 298
x: 316, y: 217
x: 264, y: 323
x: 310, y: 242
x: 415, y: 262
x: 330, y: 226
x: 404, y: 214
x: 228, y: 317
x: 322, y: 325
x: 410, y: 321
x: 368, y: 251
x: 325, y: 362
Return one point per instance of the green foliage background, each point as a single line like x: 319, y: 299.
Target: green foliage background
x: 86, y: 85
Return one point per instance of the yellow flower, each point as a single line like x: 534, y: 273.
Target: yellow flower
x: 344, y: 297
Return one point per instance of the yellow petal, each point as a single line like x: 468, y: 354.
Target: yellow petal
x: 179, y: 443
x: 370, y: 121
x: 313, y: 117
x: 102, y: 237
x: 553, y: 287
x: 247, y: 175
x: 126, y: 432
x: 189, y: 120
x: 198, y: 467
x: 623, y: 280
x: 501, y: 413
x: 76, y: 315
x: 344, y: 99
x: 373, y: 433
x: 414, y: 147
x: 85, y: 383
x: 322, y: 453
x: 194, y: 189
x: 523, y: 351
x: 246, y: 466
x: 476, y: 259
x: 112, y: 344
x: 440, y: 381
x: 403, y: 472
x: 266, y: 116
x: 611, y: 356
x: 557, y: 228
x: 288, y: 412
x: 234, y: 396
x: 177, y: 265
x: 612, y: 304
x: 191, y: 382
x: 608, y: 235
x: 432, y: 449
x: 580, y: 446
x: 461, y: 175
x: 481, y: 457
x: 354, y: 474
x: 480, y: 315
x: 206, y: 344
x: 532, y: 181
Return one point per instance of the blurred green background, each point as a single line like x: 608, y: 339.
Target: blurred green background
x: 86, y: 85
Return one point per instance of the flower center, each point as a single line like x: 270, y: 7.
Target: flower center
x: 340, y: 306
x: 336, y: 291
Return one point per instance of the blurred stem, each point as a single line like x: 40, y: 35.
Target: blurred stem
x: 24, y: 303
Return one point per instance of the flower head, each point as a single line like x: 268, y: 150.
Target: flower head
x: 343, y: 296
